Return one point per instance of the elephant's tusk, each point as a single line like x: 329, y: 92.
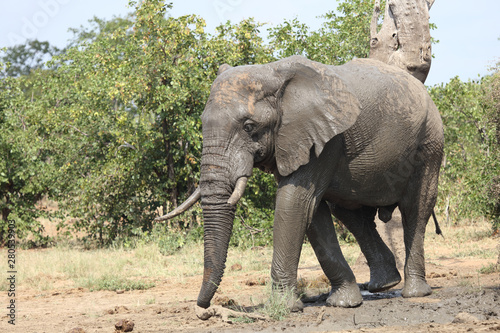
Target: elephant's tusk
x: 239, y: 189
x: 183, y: 207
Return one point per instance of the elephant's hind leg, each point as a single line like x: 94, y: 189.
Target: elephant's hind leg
x: 321, y: 234
x: 416, y: 209
x: 361, y: 223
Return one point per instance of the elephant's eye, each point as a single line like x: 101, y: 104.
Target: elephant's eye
x: 248, y: 127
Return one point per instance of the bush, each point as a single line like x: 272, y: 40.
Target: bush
x: 468, y: 186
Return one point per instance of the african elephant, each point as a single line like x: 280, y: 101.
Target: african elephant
x: 344, y: 140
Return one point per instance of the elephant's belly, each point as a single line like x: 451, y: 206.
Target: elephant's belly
x: 373, y: 173
x: 367, y: 188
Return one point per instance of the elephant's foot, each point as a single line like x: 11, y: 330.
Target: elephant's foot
x: 287, y: 297
x: 345, y: 296
x: 382, y: 279
x: 416, y: 287
x: 293, y: 303
x: 296, y: 306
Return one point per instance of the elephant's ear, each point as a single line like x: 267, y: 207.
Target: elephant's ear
x: 316, y: 105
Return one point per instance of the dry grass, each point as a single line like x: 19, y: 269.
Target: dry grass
x: 473, y: 240
x: 142, y: 267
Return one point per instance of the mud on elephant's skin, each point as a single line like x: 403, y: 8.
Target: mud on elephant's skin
x: 330, y: 135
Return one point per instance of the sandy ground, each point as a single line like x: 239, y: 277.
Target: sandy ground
x: 462, y: 301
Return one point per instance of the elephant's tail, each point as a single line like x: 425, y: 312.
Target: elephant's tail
x: 438, y: 229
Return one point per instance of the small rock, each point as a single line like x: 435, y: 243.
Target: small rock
x: 236, y: 267
x: 433, y: 275
x: 464, y: 317
x: 250, y: 282
x: 77, y: 330
x: 121, y: 309
x: 120, y: 291
x: 117, y: 309
x: 256, y: 282
x: 124, y: 325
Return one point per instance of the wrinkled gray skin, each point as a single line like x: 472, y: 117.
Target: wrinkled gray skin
x: 346, y: 140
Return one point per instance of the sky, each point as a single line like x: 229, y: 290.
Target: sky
x: 468, y: 31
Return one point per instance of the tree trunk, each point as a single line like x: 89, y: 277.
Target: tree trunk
x: 170, y: 163
x: 404, y: 39
x: 5, y: 218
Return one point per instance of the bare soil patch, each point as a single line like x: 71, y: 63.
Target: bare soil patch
x: 463, y: 300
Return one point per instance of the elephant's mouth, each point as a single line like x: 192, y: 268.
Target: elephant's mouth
x: 265, y: 161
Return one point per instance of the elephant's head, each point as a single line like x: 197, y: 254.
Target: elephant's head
x: 270, y: 116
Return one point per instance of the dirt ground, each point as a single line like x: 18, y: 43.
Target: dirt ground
x: 462, y: 301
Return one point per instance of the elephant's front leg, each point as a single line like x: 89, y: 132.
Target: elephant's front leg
x: 321, y: 233
x: 293, y: 212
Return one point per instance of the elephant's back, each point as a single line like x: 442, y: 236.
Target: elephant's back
x: 395, y: 107
x: 401, y: 94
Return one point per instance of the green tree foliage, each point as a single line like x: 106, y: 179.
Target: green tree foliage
x: 492, y: 94
x: 98, y: 28
x: 344, y: 35
x: 23, y: 58
x: 470, y: 172
x: 110, y: 127
x: 22, y: 184
x: 118, y: 114
x: 131, y: 116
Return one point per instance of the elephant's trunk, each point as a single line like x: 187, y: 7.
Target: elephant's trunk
x: 218, y: 215
x: 218, y: 225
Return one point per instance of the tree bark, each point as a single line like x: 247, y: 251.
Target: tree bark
x: 404, y: 39
x: 5, y: 218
